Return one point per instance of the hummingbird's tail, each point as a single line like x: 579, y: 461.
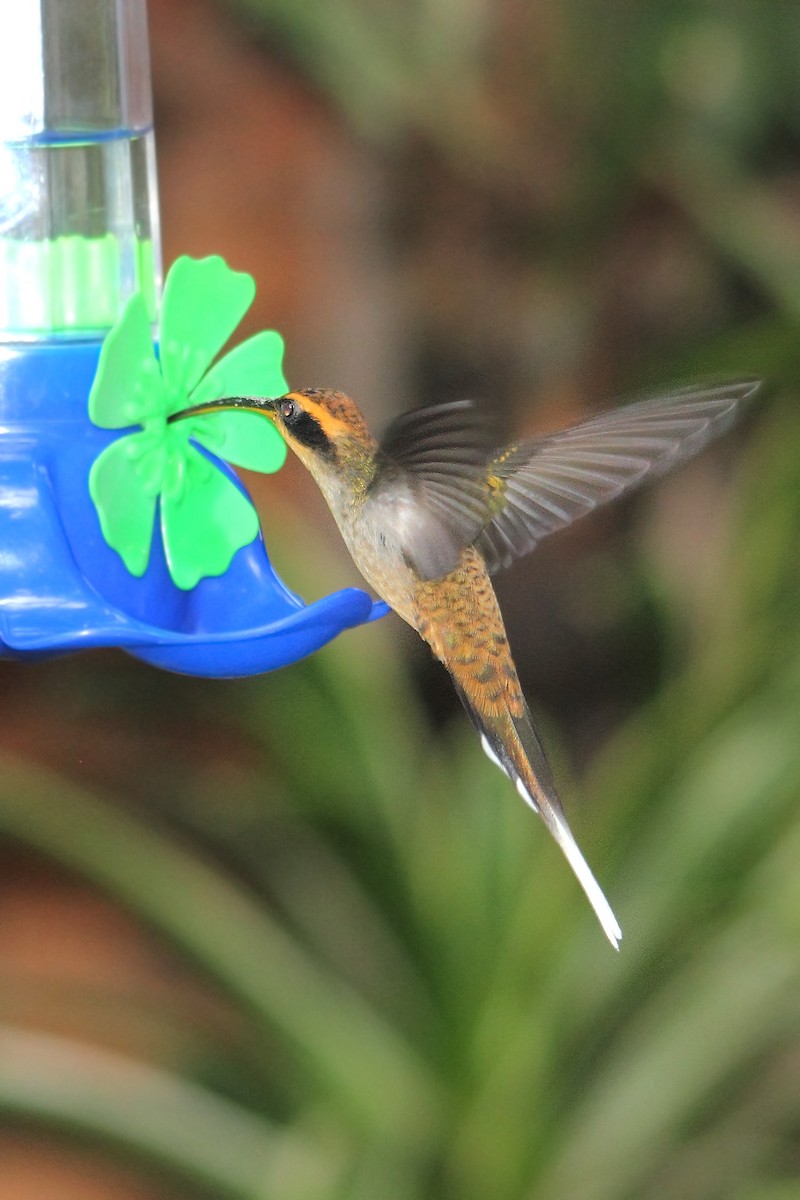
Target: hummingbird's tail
x: 517, y: 751
x: 556, y: 822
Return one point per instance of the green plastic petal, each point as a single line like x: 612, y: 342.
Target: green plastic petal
x: 204, y: 301
x: 246, y: 439
x: 252, y: 369
x: 125, y: 498
x: 205, y: 519
x: 127, y: 387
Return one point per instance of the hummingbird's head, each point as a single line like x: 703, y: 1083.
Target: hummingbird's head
x: 321, y: 424
x: 323, y: 427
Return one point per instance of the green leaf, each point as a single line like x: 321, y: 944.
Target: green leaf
x: 252, y: 369
x: 246, y: 439
x: 204, y: 301
x: 205, y: 519
x: 125, y: 498
x: 376, y: 1078
x: 183, y: 1128
x: 127, y: 387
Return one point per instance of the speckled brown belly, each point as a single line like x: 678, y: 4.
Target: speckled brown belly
x: 460, y: 619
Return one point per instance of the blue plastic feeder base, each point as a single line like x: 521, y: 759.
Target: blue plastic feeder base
x: 62, y: 588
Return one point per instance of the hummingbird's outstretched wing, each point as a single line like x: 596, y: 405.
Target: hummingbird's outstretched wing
x: 506, y: 501
x: 546, y: 483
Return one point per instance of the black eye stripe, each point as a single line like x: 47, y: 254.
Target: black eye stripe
x: 307, y: 430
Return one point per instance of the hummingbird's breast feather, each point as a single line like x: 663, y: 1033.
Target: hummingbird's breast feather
x: 457, y: 614
x: 377, y: 533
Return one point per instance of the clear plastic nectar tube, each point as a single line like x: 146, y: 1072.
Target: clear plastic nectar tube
x: 78, y: 202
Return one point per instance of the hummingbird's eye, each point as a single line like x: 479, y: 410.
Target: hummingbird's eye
x: 289, y: 410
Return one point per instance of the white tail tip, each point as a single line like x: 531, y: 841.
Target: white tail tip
x: 569, y: 848
x: 586, y: 879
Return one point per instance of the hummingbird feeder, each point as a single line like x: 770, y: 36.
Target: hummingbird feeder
x: 118, y: 528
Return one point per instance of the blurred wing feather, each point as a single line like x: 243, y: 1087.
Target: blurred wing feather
x: 544, y: 484
x: 440, y: 455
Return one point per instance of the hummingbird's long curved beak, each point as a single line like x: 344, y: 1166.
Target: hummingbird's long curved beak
x: 265, y: 404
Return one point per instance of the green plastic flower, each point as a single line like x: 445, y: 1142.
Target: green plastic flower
x: 203, y: 515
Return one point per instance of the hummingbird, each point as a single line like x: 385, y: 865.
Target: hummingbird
x: 436, y: 507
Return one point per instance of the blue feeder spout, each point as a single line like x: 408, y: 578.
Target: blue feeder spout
x: 79, y: 262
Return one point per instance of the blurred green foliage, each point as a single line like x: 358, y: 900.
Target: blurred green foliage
x: 420, y: 1005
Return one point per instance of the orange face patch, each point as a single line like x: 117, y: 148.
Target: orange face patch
x: 335, y: 413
